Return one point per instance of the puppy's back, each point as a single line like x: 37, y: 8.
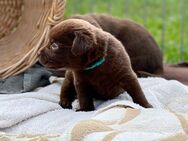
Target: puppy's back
x: 144, y: 52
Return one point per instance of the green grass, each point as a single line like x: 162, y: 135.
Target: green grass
x: 134, y: 10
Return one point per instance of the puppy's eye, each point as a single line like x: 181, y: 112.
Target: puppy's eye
x: 54, y: 46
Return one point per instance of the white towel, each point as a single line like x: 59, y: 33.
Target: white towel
x: 38, y: 112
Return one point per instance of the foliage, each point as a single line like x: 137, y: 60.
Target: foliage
x: 159, y: 17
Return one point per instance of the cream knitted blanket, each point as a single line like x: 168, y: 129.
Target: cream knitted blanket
x: 37, y: 116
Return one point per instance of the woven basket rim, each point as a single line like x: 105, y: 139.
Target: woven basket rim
x: 28, y: 23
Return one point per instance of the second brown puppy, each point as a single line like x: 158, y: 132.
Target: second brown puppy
x: 96, y: 62
x: 144, y: 53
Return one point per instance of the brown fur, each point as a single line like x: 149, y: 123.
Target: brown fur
x: 145, y: 55
x: 75, y: 45
x: 142, y: 49
x: 176, y: 72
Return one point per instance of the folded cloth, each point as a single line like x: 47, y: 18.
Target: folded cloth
x: 32, y: 78
x: 37, y: 115
x: 121, y: 122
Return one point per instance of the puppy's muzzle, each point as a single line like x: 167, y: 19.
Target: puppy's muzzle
x: 43, y: 59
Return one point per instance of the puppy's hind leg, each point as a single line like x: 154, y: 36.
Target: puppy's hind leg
x: 132, y: 86
x: 68, y: 92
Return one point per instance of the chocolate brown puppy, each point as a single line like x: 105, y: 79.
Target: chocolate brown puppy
x: 142, y: 49
x: 96, y: 63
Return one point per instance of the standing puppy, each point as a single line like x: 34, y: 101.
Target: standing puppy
x: 96, y: 63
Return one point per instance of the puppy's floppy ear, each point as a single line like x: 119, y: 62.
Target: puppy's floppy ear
x: 82, y: 42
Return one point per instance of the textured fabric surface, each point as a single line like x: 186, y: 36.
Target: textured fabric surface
x: 29, y: 80
x: 37, y: 115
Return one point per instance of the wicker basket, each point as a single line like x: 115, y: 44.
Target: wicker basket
x: 24, y: 28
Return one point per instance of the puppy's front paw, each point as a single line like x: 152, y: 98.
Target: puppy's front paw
x: 65, y: 103
x: 85, y: 110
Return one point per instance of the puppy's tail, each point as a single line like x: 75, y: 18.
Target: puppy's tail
x: 171, y: 72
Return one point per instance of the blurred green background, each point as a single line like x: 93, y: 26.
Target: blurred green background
x: 165, y: 19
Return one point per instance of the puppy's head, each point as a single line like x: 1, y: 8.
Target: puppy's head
x: 74, y: 44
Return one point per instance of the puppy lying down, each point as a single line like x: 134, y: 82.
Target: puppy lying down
x: 96, y: 63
